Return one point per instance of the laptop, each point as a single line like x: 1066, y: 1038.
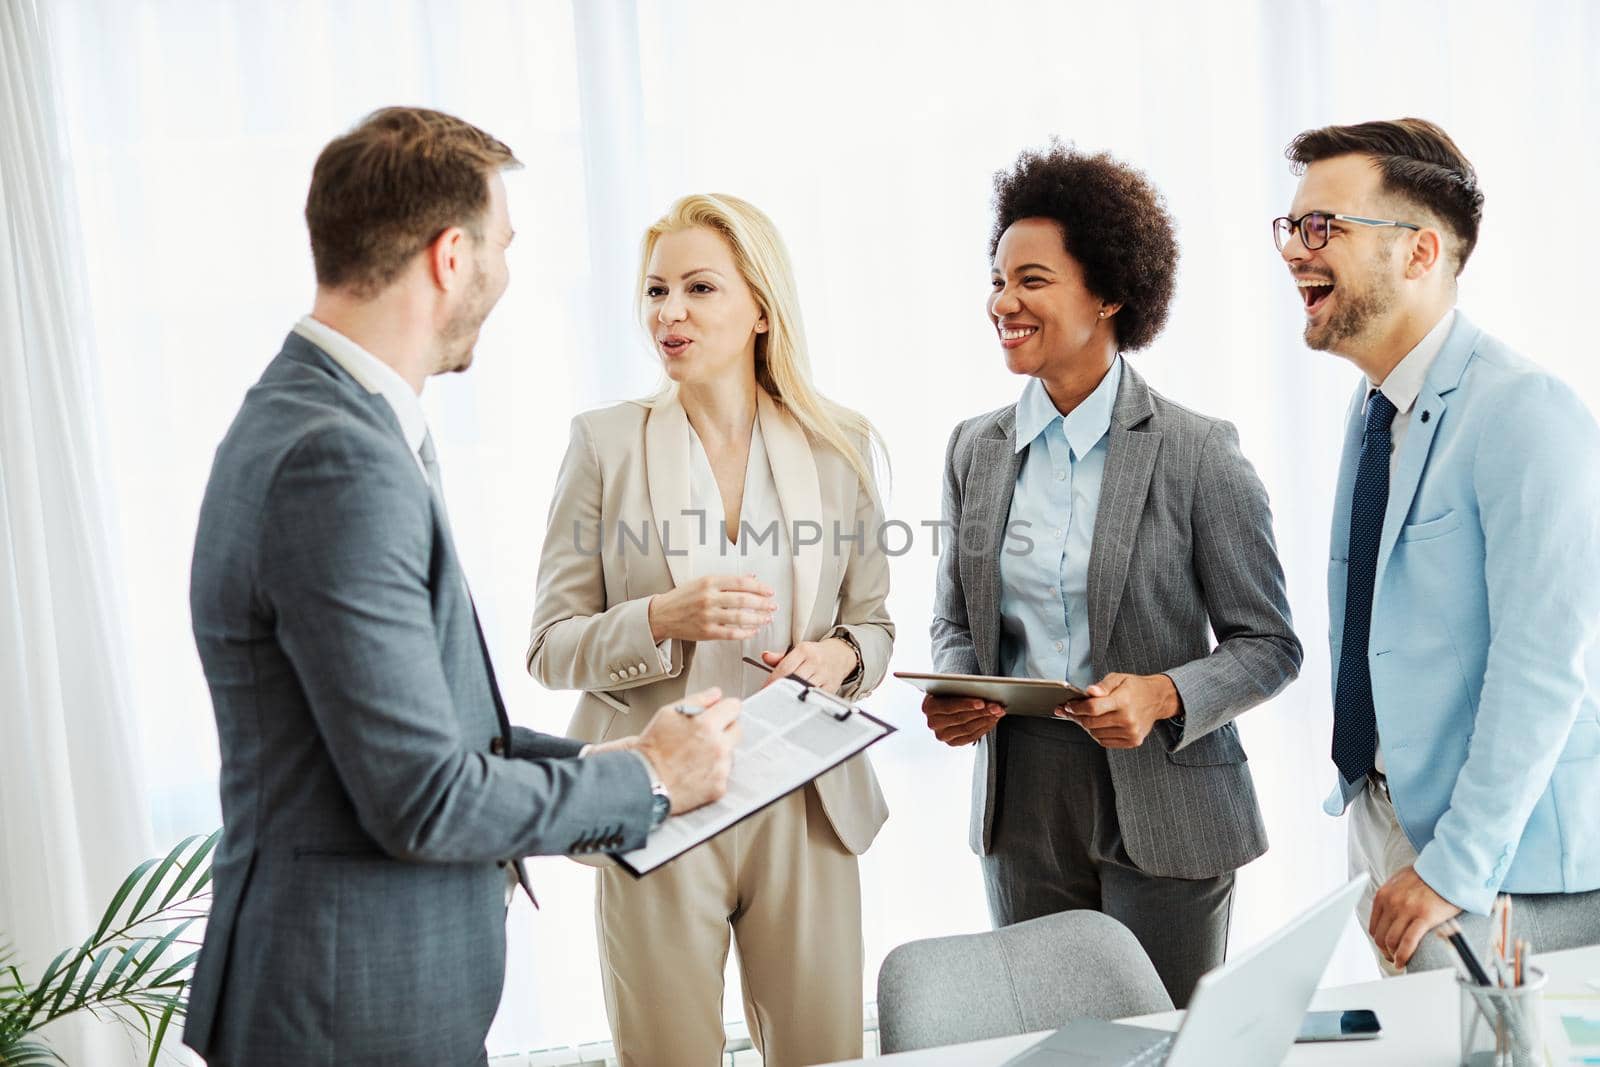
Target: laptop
x: 1245, y: 1013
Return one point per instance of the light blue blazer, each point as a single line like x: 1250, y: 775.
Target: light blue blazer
x: 1485, y: 641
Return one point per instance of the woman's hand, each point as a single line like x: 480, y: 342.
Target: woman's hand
x: 824, y: 664
x: 1122, y: 709
x: 718, y: 607
x: 961, y: 721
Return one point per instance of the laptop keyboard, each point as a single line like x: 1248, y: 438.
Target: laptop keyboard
x: 1150, y: 1057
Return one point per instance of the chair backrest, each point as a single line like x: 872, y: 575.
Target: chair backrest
x: 1035, y: 975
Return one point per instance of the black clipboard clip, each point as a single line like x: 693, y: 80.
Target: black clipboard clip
x: 808, y: 689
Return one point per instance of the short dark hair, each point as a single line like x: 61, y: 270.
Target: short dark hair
x: 382, y: 192
x: 1418, y: 161
x: 1114, y: 223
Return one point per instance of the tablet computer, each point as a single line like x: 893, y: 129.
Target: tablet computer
x: 1021, y: 696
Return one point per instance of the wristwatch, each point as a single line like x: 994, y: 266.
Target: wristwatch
x: 844, y: 635
x: 660, y: 804
x: 660, y: 800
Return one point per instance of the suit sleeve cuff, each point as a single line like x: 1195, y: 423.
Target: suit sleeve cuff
x: 1466, y: 890
x: 1191, y: 681
x: 641, y: 659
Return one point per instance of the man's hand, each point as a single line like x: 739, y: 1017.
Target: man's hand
x: 693, y: 754
x: 1404, y: 911
x: 824, y: 664
x: 1123, y: 708
x: 961, y: 721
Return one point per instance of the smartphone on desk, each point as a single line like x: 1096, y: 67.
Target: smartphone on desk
x: 1360, y: 1025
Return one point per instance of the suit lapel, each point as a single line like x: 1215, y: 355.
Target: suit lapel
x: 794, y: 472
x: 666, y: 460
x: 1426, y: 416
x: 993, y: 479
x: 1130, y: 462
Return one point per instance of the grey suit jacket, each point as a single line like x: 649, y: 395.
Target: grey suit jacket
x: 370, y: 781
x: 1183, y: 548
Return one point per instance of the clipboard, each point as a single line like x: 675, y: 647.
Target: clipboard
x: 1038, y: 697
x: 793, y: 733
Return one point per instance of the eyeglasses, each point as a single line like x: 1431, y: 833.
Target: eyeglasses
x: 1314, y: 227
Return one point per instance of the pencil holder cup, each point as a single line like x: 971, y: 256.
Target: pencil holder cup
x: 1501, y: 1027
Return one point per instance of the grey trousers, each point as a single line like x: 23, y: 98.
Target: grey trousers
x: 1057, y: 845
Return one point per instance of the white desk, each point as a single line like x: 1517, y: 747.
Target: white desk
x: 1418, y: 1013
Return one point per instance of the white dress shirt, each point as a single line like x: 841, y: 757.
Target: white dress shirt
x: 375, y: 376
x: 1401, y: 388
x: 720, y: 663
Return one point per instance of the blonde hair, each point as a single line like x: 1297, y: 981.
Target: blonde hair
x: 783, y: 367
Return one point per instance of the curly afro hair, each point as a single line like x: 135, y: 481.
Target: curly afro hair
x: 1114, y: 223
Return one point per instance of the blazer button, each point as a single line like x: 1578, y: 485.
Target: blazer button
x: 643, y: 668
x: 615, y: 676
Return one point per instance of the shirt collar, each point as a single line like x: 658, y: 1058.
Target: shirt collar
x: 1404, y: 383
x: 373, y: 375
x: 1083, y: 426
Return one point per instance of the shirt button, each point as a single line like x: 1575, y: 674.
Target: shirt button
x: 1056, y: 533
x: 1061, y: 476
x: 1060, y: 646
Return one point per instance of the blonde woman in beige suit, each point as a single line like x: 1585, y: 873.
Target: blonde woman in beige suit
x: 732, y: 514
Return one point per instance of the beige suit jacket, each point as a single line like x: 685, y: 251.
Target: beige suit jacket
x: 618, y: 534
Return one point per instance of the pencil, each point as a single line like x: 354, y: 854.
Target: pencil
x: 1450, y: 931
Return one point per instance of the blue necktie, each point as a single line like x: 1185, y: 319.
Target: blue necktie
x: 1355, y: 725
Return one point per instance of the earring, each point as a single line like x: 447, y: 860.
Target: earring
x: 1102, y: 314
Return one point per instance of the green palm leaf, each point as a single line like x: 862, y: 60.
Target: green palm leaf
x: 122, y: 894
x: 200, y: 856
x: 126, y: 972
x: 29, y: 1054
x: 166, y: 1020
x: 154, y: 881
x: 129, y: 954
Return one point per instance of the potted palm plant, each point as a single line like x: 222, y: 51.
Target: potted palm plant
x: 134, y: 968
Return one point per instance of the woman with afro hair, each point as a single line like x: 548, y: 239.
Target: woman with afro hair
x: 1101, y: 535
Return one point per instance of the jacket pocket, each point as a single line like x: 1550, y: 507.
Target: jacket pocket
x: 353, y: 850
x: 1219, y: 748
x: 1449, y: 522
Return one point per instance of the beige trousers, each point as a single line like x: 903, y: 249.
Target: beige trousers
x: 787, y: 894
x: 1379, y: 849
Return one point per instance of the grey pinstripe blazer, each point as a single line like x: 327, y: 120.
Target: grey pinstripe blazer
x: 370, y: 779
x: 1183, y: 548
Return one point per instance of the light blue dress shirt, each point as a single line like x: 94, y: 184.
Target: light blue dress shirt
x: 1044, y: 598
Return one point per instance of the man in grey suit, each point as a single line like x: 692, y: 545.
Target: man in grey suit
x: 375, y: 797
x: 1105, y: 534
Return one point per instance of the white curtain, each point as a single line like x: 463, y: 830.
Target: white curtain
x: 75, y: 817
x: 870, y: 133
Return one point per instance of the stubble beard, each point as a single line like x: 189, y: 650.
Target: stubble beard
x: 460, y: 333
x: 1357, y: 311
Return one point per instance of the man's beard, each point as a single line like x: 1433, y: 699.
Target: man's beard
x: 1357, y: 310
x: 456, y: 339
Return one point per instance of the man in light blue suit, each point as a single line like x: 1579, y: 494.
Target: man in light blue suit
x: 1464, y: 571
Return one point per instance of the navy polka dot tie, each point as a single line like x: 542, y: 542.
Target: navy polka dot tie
x: 1355, y: 726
